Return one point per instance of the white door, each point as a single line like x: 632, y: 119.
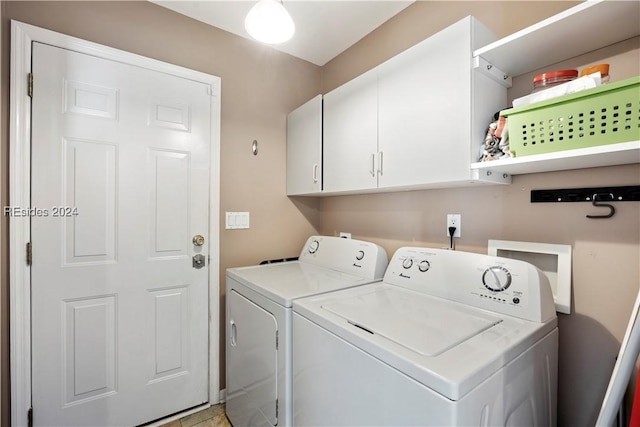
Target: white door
x: 120, y: 172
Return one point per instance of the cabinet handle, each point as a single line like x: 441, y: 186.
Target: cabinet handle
x: 380, y: 162
x: 315, y: 173
x: 372, y: 169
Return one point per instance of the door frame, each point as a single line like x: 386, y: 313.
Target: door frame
x: 22, y: 36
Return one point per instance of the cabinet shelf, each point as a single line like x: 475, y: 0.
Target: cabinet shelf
x: 603, y: 155
x: 581, y: 29
x: 586, y: 27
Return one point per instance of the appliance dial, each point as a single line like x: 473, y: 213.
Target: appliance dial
x: 407, y: 263
x: 360, y: 255
x: 424, y: 265
x: 496, y: 278
x: 313, y: 246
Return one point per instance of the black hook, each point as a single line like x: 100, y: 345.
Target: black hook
x: 595, y: 202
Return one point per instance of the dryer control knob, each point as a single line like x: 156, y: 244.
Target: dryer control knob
x: 313, y: 246
x: 407, y: 263
x: 360, y: 255
x: 496, y: 278
x: 424, y: 265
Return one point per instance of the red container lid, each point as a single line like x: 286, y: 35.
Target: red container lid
x: 553, y: 75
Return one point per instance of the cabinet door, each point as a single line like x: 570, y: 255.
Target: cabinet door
x: 304, y: 148
x: 424, y: 110
x: 350, y: 135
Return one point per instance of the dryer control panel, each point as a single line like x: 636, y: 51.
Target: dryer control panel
x: 351, y: 256
x: 502, y: 285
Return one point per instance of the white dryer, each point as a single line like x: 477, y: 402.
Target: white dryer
x: 446, y: 339
x: 259, y: 300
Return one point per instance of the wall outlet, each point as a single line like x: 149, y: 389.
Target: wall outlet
x: 454, y: 220
x: 345, y: 235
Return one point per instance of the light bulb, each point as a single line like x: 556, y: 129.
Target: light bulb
x: 269, y: 22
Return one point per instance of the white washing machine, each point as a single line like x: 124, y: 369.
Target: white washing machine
x: 446, y: 339
x: 259, y: 299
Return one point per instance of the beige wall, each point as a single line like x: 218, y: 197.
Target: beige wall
x: 259, y: 86
x: 424, y: 18
x: 606, y: 253
x: 605, y: 257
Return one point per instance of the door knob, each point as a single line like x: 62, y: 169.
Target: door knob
x: 198, y: 240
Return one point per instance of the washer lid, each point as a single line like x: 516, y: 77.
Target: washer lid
x: 445, y: 345
x: 427, y: 326
x: 284, y: 282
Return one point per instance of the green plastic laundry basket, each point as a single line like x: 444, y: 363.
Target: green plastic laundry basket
x: 607, y: 114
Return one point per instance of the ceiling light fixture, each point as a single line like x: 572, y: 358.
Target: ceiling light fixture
x: 269, y: 22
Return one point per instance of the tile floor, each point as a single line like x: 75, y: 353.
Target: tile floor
x: 211, y: 417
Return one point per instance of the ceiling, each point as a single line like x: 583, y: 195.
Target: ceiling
x: 324, y: 28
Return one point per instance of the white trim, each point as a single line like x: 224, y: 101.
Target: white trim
x: 22, y: 36
x: 1, y: 174
x: 214, y: 247
x: 19, y: 227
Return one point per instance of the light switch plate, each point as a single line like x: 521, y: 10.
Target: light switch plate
x: 237, y: 220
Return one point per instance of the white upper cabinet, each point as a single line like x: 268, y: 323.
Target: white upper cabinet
x: 304, y: 148
x: 428, y: 122
x: 351, y: 135
x: 414, y: 121
x: 419, y: 119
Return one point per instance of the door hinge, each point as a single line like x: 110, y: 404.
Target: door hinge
x: 30, y: 417
x: 29, y: 254
x: 276, y: 408
x: 276, y: 340
x: 30, y: 85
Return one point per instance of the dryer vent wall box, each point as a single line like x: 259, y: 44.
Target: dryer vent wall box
x: 554, y: 261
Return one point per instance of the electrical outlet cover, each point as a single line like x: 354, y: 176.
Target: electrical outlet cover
x: 454, y: 220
